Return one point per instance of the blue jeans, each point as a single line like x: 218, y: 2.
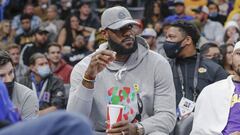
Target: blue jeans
x: 56, y: 123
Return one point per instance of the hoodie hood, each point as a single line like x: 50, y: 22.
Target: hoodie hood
x: 133, y: 61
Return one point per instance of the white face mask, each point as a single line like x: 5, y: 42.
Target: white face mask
x: 44, y: 71
x: 44, y: 6
x: 69, y: 4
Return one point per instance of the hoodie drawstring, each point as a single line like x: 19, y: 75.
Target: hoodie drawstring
x: 118, y: 75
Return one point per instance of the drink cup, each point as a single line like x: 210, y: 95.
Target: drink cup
x: 114, y: 114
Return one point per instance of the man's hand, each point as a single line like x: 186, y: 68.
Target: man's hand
x: 98, y: 62
x: 122, y: 128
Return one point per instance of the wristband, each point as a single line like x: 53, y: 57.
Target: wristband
x: 88, y: 80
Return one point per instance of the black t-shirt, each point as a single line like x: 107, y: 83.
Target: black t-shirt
x: 208, y: 73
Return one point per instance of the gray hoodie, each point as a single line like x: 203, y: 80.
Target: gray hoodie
x: 26, y: 101
x: 146, y: 73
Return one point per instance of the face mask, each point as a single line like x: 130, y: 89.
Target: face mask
x: 44, y: 71
x: 119, y: 49
x: 10, y: 86
x: 44, y: 6
x: 69, y: 4
x: 214, y: 14
x: 217, y: 60
x: 172, y: 49
x: 235, y: 37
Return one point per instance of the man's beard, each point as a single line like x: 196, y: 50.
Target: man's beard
x: 236, y: 68
x: 120, y: 49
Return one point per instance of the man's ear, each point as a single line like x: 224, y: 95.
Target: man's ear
x: 104, y: 34
x: 31, y: 67
x: 188, y: 40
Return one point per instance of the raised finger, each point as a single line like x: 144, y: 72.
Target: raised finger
x: 110, y: 53
x: 104, y: 58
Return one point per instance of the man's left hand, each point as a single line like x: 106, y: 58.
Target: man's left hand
x: 122, y: 128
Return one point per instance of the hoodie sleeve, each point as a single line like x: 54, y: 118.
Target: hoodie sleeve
x: 80, y: 97
x: 164, y: 118
x: 31, y: 106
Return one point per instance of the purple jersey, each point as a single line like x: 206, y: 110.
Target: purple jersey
x: 233, y: 123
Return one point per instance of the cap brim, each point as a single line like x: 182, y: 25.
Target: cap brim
x: 122, y: 23
x: 44, y: 31
x: 178, y: 3
x: 196, y: 11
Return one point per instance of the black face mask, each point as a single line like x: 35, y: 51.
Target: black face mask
x: 172, y: 49
x: 217, y: 60
x: 10, y: 86
x: 120, y: 50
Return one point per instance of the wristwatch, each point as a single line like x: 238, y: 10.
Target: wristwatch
x: 140, y: 129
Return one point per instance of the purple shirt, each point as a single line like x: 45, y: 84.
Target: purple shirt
x: 233, y: 123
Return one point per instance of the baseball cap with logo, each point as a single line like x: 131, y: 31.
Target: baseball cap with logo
x: 116, y: 17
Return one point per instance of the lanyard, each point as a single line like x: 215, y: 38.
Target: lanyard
x: 42, y: 89
x: 195, y: 78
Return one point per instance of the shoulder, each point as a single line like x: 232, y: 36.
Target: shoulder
x: 68, y: 67
x: 54, y: 79
x: 170, y: 17
x: 210, y: 65
x: 215, y: 23
x: 156, y: 57
x: 215, y: 88
x: 22, y: 90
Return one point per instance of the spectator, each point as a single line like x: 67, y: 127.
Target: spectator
x: 64, y: 10
x: 41, y: 9
x: 219, y: 104
x: 8, y: 114
x: 232, y: 32
x: 191, y: 72
x: 58, y: 123
x: 40, y: 45
x: 69, y: 32
x: 211, y: 30
x: 6, y: 36
x: 150, y: 35
x: 28, y: 33
x: 236, y: 18
x: 52, y: 17
x: 211, y: 51
x: 161, y: 33
x: 226, y: 51
x: 78, y: 52
x: 58, y: 66
x: 35, y: 21
x: 48, y: 88
x: 154, y: 12
x: 180, y: 13
x: 20, y: 69
x: 224, y: 7
x: 53, y: 23
x: 109, y: 72
x: 22, y: 97
x: 87, y: 17
x: 214, y: 13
